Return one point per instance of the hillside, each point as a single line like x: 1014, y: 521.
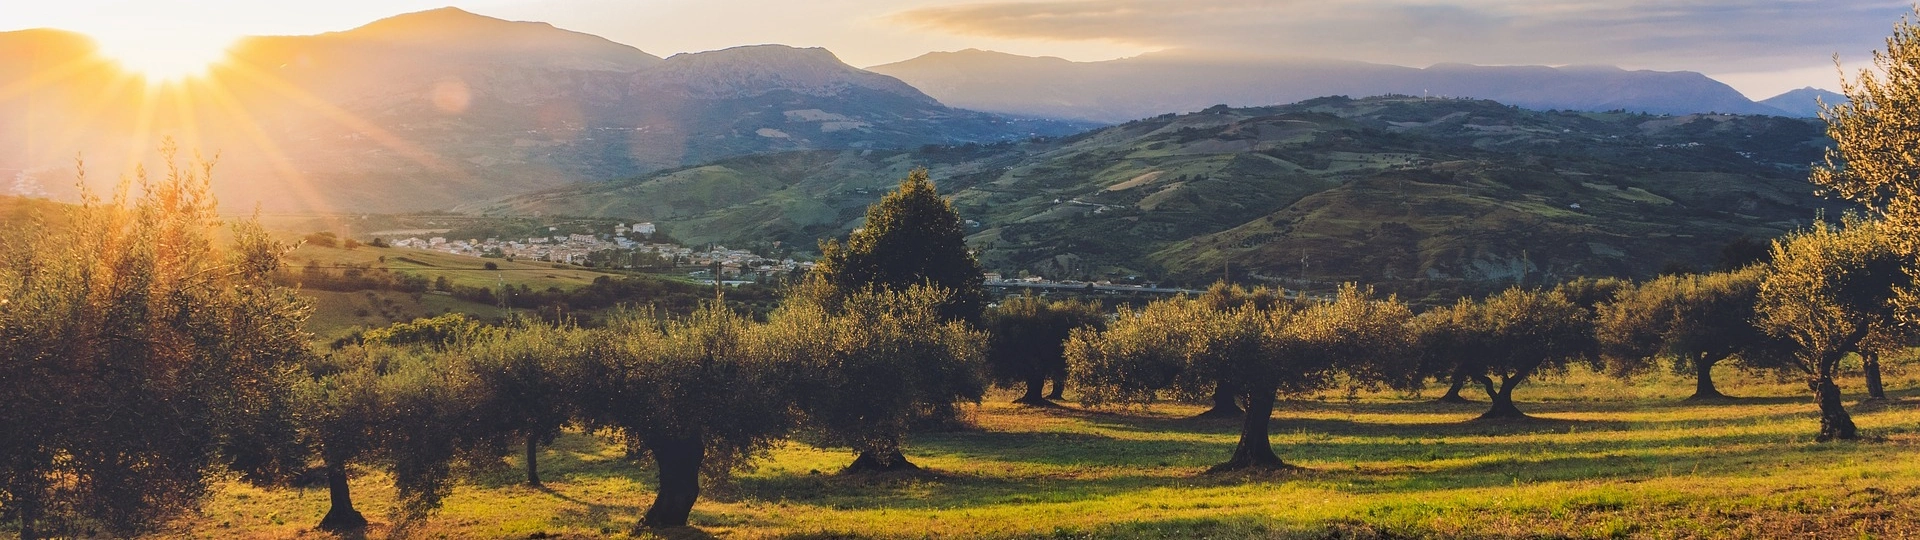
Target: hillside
x: 431, y: 109
x: 1181, y: 81
x: 1410, y: 193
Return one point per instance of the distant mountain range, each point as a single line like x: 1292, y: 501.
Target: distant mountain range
x: 443, y: 108
x: 430, y: 109
x: 1184, y: 81
x: 1418, y: 196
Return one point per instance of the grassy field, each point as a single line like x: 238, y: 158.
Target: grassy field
x: 458, y: 269
x: 1604, y: 460
x: 337, y: 314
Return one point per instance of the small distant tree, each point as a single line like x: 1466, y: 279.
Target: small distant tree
x: 1028, y: 341
x: 1589, y: 293
x: 1527, y: 332
x: 1830, y: 290
x: 911, y: 237
x: 138, y: 349
x: 692, y: 394
x: 322, y: 239
x: 438, y: 332
x: 1290, y: 351
x: 1697, y: 321
x: 870, y: 371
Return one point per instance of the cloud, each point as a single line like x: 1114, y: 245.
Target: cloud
x: 1719, y: 35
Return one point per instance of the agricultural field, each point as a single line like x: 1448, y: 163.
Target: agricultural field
x: 1601, y: 459
x: 337, y: 314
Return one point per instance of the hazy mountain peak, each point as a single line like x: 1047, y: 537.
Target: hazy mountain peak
x: 1804, y: 102
x: 436, y: 23
x: 453, y: 32
x: 758, y: 69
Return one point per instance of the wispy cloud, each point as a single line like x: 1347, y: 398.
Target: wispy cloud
x: 1720, y: 35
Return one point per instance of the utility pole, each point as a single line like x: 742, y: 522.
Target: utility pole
x: 506, y: 307
x: 1303, y: 266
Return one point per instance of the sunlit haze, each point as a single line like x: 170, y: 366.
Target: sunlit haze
x: 1760, y: 48
x: 165, y: 58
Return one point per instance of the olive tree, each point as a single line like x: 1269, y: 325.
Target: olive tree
x: 692, y: 394
x: 525, y: 380
x: 1697, y: 321
x: 1830, y: 289
x: 1223, y: 297
x: 1524, y: 333
x: 1284, y: 351
x: 137, y: 350
x: 1451, y: 346
x: 412, y: 410
x: 864, y: 374
x: 1027, y: 342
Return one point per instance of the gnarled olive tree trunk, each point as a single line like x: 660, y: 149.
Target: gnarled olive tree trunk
x: 1835, y: 423
x: 341, y: 516
x: 1703, y: 388
x: 1870, y: 363
x: 1255, y: 449
x: 1460, y: 378
x: 1502, y: 397
x: 679, y: 460
x: 1225, y: 403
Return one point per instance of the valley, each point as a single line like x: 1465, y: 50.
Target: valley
x: 1428, y: 197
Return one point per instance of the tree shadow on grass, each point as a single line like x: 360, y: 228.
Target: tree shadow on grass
x: 571, y: 454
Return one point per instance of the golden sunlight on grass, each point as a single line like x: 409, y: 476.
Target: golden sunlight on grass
x: 1604, y: 459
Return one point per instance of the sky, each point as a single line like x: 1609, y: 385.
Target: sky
x: 1761, y: 47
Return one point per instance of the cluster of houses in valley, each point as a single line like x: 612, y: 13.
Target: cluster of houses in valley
x: 626, y: 247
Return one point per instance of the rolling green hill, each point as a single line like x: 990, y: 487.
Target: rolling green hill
x: 1409, y: 193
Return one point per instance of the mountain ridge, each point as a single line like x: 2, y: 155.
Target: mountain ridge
x: 1179, y: 81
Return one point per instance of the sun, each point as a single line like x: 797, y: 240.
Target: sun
x: 165, y: 58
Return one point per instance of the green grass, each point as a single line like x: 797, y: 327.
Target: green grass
x: 339, y: 314
x: 1605, y: 460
